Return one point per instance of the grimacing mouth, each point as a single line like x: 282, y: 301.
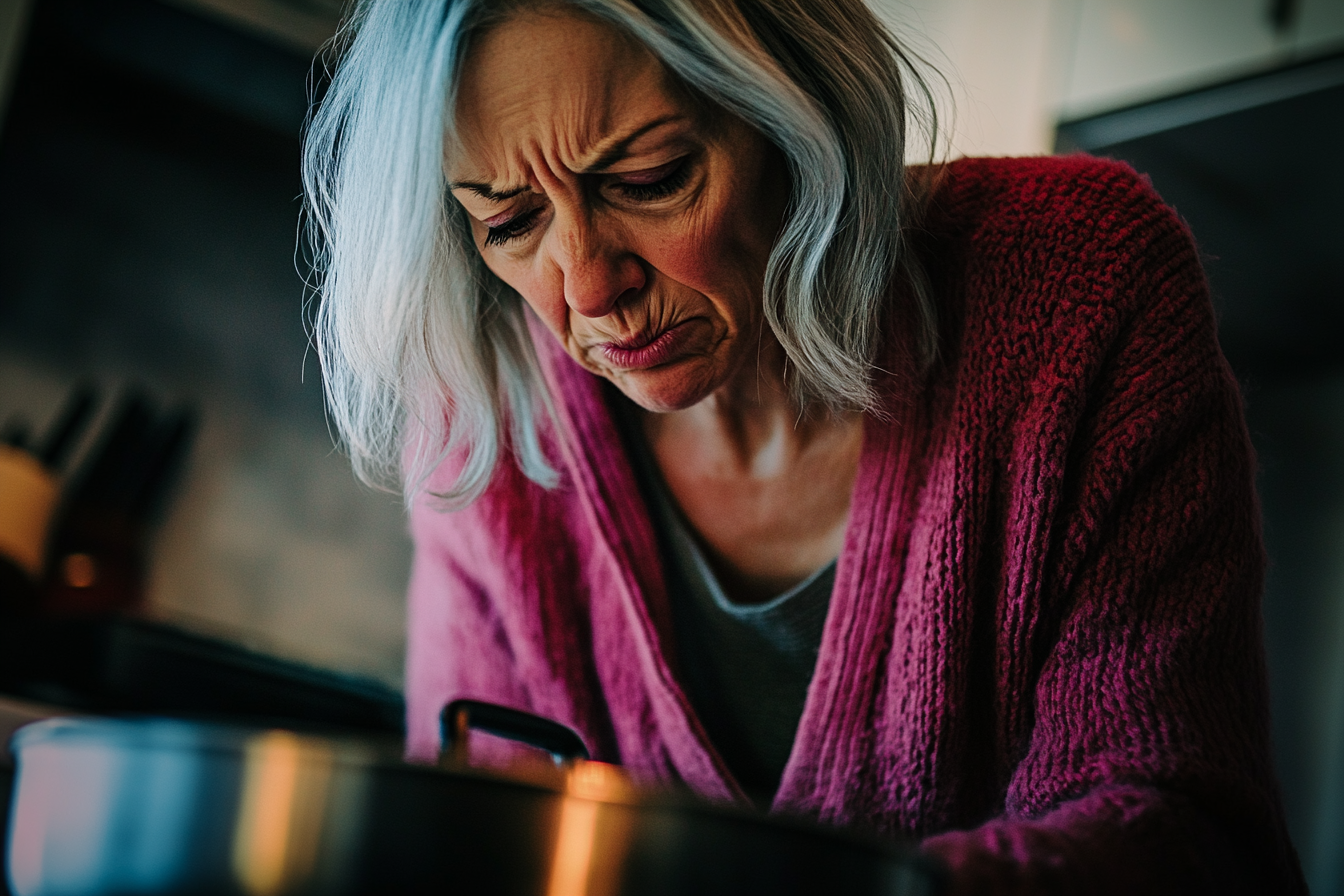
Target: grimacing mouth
x: 655, y: 315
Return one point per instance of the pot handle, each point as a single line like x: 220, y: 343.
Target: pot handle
x: 460, y: 717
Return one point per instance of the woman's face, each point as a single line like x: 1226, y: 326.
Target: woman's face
x: 635, y: 222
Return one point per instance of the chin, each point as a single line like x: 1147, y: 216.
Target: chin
x: 662, y: 392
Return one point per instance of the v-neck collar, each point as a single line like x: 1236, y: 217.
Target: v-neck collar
x: 594, y: 455
x: 842, y: 700
x: 842, y: 695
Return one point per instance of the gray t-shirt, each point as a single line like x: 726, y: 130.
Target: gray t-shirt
x: 745, y: 667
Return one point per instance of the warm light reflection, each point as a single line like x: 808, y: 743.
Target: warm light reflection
x: 280, y: 813
x: 573, y: 848
x: 80, y: 570
x: 587, y: 784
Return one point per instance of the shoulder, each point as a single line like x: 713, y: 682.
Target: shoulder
x: 1050, y: 272
x: 1074, y: 212
x: 1055, y: 230
x: 1036, y: 172
x: 997, y: 188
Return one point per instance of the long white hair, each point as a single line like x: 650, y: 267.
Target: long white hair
x: 424, y: 352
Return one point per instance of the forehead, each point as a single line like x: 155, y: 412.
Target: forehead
x: 556, y: 81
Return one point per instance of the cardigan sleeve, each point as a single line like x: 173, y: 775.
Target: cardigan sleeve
x: 1145, y: 764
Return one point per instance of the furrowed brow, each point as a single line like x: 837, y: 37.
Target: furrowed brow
x: 618, y: 150
x: 488, y: 191
x: 608, y: 157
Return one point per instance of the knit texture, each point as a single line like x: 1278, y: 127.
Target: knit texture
x: 1043, y: 653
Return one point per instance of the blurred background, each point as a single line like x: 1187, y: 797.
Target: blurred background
x: 149, y: 210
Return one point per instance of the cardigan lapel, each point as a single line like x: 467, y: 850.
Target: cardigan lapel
x: 836, y: 731
x: 605, y: 483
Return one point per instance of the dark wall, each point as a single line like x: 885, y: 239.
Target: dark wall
x: 149, y: 215
x: 149, y: 218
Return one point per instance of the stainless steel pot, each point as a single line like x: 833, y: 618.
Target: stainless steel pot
x: 154, y: 806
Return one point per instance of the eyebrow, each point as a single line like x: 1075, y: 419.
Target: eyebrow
x: 621, y: 148
x: 487, y: 191
x: 618, y: 151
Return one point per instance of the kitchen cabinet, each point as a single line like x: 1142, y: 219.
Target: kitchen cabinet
x: 1013, y: 68
x: 993, y: 64
x: 1125, y: 51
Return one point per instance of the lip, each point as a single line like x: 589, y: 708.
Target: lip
x: 647, y: 350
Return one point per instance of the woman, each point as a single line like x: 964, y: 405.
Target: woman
x: 914, y: 500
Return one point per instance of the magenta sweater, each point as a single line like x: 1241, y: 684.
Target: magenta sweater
x: 1043, y: 653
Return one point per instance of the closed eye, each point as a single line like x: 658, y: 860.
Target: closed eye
x: 657, y: 183
x: 511, y: 229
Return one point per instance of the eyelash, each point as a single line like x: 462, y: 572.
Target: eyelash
x: 658, y: 189
x: 515, y: 227
x: 511, y: 229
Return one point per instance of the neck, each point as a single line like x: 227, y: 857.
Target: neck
x: 764, y: 484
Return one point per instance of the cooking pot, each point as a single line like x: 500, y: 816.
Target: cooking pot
x: 160, y: 806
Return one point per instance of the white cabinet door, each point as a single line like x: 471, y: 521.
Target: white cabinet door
x: 999, y: 61
x: 1131, y: 50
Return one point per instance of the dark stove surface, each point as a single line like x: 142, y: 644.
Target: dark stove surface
x: 125, y: 665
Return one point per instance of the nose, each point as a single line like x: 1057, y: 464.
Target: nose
x: 597, y: 268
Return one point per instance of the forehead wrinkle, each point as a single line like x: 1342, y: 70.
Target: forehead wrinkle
x: 527, y: 132
x: 574, y: 120
x: 572, y: 126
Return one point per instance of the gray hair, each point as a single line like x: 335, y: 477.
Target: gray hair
x: 425, y: 353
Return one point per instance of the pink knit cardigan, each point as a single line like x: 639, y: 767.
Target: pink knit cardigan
x: 1043, y: 654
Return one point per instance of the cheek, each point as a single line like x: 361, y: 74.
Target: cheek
x: 720, y: 256
x: 545, y: 298
x: 700, y: 253
x: 687, y: 258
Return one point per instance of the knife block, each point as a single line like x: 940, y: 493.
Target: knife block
x: 28, y: 495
